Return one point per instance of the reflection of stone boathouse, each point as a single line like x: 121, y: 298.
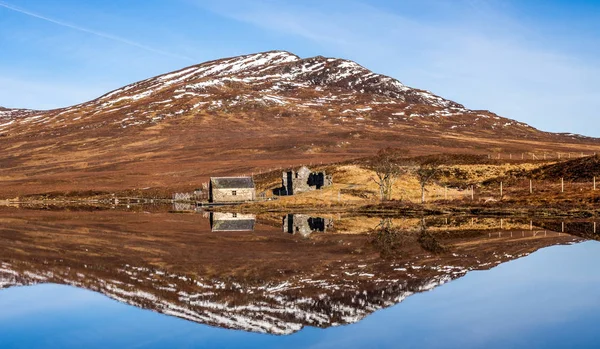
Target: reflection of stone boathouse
x: 304, y: 224
x: 232, y: 221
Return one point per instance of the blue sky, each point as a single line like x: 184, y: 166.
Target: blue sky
x: 535, y: 61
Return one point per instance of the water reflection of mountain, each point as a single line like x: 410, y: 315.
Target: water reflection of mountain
x: 262, y: 282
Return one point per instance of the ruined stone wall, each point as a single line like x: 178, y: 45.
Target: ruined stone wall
x: 303, y: 180
x: 227, y: 195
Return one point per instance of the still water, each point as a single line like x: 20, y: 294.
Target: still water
x: 114, y: 279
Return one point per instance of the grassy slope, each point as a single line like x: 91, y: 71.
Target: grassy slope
x: 355, y: 188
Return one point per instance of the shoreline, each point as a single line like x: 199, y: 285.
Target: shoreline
x: 393, y: 208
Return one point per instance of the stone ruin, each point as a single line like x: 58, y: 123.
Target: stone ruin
x: 303, y: 180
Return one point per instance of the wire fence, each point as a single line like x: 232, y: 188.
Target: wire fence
x: 540, y: 155
x: 521, y: 188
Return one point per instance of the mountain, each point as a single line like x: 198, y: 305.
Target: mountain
x: 240, y: 114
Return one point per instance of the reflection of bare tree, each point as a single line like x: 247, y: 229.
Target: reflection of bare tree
x: 392, y: 242
x: 386, y: 238
x: 429, y: 242
x: 386, y: 223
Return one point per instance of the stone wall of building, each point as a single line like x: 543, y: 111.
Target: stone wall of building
x: 233, y: 195
x: 303, y: 180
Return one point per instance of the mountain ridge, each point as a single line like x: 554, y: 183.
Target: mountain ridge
x: 243, y: 114
x: 280, y: 62
x: 286, y: 71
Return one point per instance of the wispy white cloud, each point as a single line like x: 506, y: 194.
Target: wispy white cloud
x: 93, y: 32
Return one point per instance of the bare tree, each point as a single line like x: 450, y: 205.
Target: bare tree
x: 426, y: 171
x: 387, y: 170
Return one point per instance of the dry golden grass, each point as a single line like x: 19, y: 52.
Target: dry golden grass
x: 355, y: 186
x: 481, y: 173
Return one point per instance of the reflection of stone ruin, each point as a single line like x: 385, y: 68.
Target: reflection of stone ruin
x: 185, y: 207
x: 220, y: 221
x: 303, y: 180
x: 305, y: 225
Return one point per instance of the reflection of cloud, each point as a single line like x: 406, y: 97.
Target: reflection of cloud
x: 93, y: 32
x: 475, y: 52
x: 32, y: 300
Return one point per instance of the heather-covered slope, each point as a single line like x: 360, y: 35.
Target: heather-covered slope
x: 241, y: 114
x: 576, y: 170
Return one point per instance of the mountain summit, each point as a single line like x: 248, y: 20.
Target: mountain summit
x: 281, y: 82
x: 237, y: 114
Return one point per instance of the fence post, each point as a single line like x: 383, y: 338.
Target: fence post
x: 501, y: 191
x: 472, y: 193
x: 594, y: 183
x: 530, y: 186
x: 562, y: 185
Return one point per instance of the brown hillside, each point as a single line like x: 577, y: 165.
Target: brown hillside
x: 241, y: 115
x: 576, y: 170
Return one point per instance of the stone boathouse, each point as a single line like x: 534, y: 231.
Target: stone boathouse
x: 231, y: 189
x: 303, y: 180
